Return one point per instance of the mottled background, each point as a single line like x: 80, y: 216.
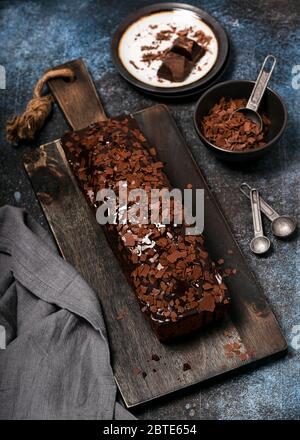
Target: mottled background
x: 35, y: 35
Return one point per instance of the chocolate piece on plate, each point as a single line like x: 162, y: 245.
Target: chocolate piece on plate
x: 188, y: 48
x: 175, y: 67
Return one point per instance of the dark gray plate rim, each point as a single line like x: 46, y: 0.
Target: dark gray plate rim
x: 219, y: 31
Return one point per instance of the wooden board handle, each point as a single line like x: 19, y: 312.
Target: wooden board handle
x: 78, y: 99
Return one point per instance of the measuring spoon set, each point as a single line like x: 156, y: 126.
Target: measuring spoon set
x: 282, y: 226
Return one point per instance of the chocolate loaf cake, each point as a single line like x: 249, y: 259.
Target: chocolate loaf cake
x: 175, y: 282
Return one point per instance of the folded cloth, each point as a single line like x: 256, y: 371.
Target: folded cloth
x: 56, y: 362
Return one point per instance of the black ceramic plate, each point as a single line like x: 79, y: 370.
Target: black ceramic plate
x: 181, y: 90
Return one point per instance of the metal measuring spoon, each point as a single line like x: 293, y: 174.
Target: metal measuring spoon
x: 260, y: 244
x: 282, y: 226
x: 250, y: 111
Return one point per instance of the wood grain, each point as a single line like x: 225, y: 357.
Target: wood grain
x: 78, y: 99
x: 82, y: 242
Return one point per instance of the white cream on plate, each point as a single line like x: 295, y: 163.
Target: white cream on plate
x: 143, y: 33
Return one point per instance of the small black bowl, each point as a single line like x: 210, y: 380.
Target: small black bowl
x: 272, y: 105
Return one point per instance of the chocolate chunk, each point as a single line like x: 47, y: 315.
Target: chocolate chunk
x: 136, y: 371
x: 175, y: 67
x: 129, y: 239
x: 188, y: 48
x: 175, y: 256
x: 207, y: 304
x: 122, y: 314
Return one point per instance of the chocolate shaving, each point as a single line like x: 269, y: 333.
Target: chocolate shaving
x: 134, y: 65
x: 164, y: 35
x: 232, y: 130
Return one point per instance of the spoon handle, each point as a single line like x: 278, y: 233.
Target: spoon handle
x: 265, y: 208
x: 255, y: 205
x: 261, y: 84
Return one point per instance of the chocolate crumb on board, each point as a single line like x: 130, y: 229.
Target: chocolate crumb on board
x: 136, y: 371
x: 225, y: 272
x: 243, y: 356
x: 155, y: 357
x: 144, y: 374
x: 235, y: 350
x: 186, y: 367
x: 121, y: 314
x: 152, y: 151
x: 228, y: 272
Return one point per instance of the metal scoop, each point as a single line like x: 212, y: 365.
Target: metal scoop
x: 282, y: 225
x: 250, y: 111
x: 260, y: 244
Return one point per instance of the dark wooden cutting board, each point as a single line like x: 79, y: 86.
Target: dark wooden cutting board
x: 82, y: 243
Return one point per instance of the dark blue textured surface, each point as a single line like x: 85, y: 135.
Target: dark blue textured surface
x: 35, y: 35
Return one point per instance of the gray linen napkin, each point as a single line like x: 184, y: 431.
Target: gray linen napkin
x: 56, y: 363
